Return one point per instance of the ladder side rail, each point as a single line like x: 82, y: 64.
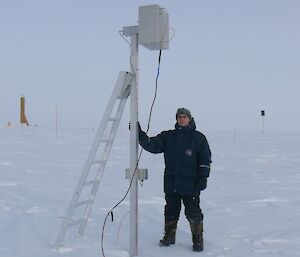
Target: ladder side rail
x: 100, y: 172
x: 91, y: 156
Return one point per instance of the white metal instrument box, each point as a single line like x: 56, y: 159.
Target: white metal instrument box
x: 153, y: 27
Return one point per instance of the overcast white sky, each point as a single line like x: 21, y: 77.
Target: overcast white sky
x: 228, y: 60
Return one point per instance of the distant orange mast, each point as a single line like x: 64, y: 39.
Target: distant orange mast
x: 23, y: 119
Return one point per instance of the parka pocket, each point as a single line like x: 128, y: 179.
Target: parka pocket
x: 188, y: 171
x: 188, y: 184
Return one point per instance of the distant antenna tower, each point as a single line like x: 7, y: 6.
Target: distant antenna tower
x: 23, y: 118
x: 153, y: 33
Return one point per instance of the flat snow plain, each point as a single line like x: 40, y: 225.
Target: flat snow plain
x: 251, y: 205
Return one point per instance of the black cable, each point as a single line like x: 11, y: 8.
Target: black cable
x: 138, y: 160
x: 120, y: 33
x: 111, y: 210
x: 155, y: 94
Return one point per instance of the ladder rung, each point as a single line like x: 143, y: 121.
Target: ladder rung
x: 89, y: 183
x: 113, y: 119
x: 75, y: 222
x: 106, y: 140
x: 98, y: 162
x: 84, y: 202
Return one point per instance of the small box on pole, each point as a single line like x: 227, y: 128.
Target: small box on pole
x: 142, y: 174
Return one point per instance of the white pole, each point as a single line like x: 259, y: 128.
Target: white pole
x: 56, y: 122
x: 134, y: 146
x: 234, y: 136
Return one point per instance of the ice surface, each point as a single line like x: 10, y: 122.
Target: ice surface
x: 251, y: 205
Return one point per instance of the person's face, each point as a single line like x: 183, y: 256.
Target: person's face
x: 183, y: 120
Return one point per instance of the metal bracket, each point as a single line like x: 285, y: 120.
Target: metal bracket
x: 130, y: 30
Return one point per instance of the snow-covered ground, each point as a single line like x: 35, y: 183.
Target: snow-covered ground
x: 251, y: 205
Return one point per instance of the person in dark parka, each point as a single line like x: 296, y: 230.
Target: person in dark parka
x: 187, y: 166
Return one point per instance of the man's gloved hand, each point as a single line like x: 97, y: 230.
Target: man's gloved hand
x: 202, y: 183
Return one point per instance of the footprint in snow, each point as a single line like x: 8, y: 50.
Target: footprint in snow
x: 35, y: 209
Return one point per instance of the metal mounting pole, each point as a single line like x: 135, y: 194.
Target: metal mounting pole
x: 134, y: 146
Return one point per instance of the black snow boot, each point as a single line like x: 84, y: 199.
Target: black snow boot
x: 170, y: 232
x: 197, y: 233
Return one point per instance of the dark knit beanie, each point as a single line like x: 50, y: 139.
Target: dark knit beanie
x: 183, y: 111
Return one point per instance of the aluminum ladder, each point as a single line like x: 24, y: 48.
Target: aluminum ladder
x: 96, y: 163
